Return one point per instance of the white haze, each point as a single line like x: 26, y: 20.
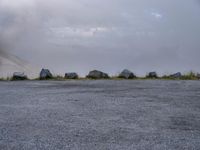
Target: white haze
x: 81, y: 35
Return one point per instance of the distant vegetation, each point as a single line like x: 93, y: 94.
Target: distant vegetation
x: 188, y: 76
x: 5, y: 79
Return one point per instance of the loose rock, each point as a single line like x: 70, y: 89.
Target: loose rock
x: 152, y: 75
x: 95, y: 74
x: 19, y: 76
x: 198, y: 75
x: 45, y: 74
x: 176, y: 75
x: 71, y: 75
x: 126, y: 74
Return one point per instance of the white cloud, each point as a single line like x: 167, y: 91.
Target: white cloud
x: 16, y: 3
x: 63, y: 32
x: 157, y: 15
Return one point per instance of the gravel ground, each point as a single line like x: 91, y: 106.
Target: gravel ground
x: 100, y: 115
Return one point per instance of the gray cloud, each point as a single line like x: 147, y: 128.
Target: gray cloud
x: 81, y: 35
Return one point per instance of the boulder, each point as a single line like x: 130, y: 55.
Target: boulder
x: 198, y: 75
x: 126, y: 74
x: 45, y: 74
x: 95, y: 74
x: 71, y: 75
x: 176, y: 75
x: 152, y: 75
x: 19, y: 76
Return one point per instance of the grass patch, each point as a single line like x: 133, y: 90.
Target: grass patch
x: 6, y: 79
x: 190, y: 76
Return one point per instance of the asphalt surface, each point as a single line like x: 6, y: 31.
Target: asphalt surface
x: 100, y: 115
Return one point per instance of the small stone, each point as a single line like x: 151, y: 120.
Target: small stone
x: 198, y: 75
x: 71, y: 75
x: 19, y: 76
x: 126, y: 74
x: 45, y: 74
x: 152, y: 75
x: 176, y: 75
x: 95, y: 74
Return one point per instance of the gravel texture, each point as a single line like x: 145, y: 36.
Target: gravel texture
x: 100, y: 115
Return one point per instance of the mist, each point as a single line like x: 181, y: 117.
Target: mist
x: 67, y: 35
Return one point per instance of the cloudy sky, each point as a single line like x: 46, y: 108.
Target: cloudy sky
x: 110, y: 35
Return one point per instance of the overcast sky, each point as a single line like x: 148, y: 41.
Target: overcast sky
x: 110, y: 35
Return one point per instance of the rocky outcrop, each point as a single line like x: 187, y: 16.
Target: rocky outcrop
x: 45, y: 74
x: 152, y: 75
x: 176, y: 75
x: 126, y: 74
x: 71, y: 75
x: 19, y: 76
x: 95, y: 74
